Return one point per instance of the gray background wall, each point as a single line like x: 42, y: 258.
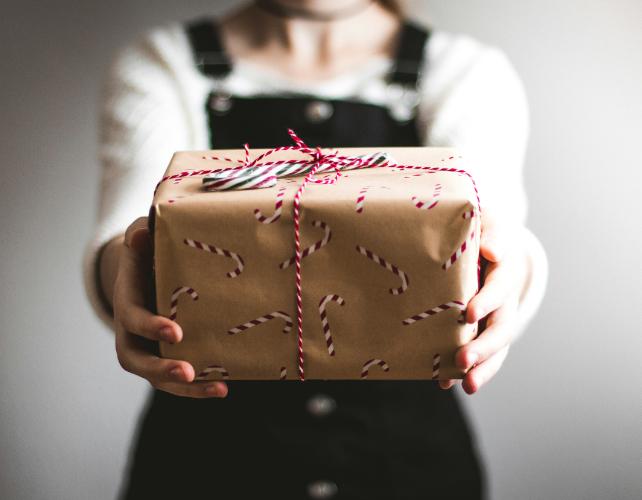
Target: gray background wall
x: 562, y: 421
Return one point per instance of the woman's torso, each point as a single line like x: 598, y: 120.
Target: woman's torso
x: 314, y: 439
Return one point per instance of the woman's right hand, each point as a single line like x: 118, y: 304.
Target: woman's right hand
x: 138, y: 330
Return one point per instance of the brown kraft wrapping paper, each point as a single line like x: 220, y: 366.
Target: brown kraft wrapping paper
x: 219, y: 272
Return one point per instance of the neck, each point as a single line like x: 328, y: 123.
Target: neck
x: 312, y: 10
x: 322, y: 33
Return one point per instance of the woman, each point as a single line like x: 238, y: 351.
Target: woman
x: 341, y: 73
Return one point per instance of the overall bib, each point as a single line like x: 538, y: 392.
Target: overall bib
x: 312, y: 440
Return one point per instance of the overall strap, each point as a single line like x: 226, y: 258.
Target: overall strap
x: 209, y: 54
x: 410, y: 55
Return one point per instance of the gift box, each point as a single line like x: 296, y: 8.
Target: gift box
x: 389, y: 250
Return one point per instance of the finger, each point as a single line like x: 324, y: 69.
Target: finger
x: 135, y: 356
x: 138, y: 227
x: 137, y: 320
x: 130, y: 305
x: 492, y: 295
x: 493, y: 238
x: 134, y: 270
x: 497, y: 335
x: 447, y: 384
x: 196, y: 390
x: 482, y: 373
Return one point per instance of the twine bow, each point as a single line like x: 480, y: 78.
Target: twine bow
x: 258, y: 173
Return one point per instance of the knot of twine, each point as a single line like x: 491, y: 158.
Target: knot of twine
x: 257, y: 173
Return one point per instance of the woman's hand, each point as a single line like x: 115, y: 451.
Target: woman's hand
x: 138, y: 330
x: 497, y: 301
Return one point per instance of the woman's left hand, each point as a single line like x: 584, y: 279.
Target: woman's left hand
x: 497, y: 301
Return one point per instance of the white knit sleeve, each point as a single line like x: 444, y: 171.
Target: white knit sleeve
x: 144, y: 119
x: 474, y: 100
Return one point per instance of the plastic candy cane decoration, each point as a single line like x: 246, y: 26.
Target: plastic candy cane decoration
x: 219, y: 251
x: 390, y: 267
x: 174, y: 300
x: 278, y: 206
x: 436, y: 362
x: 361, y: 197
x: 455, y: 304
x: 213, y: 369
x: 264, y: 319
x: 313, y: 248
x: 373, y: 362
x: 324, y: 319
x: 432, y: 203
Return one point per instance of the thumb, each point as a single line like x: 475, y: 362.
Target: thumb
x: 494, y: 238
x: 137, y: 236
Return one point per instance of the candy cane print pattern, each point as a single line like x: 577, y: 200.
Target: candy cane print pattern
x: 361, y: 197
x: 284, y: 373
x: 372, y: 362
x: 436, y: 363
x: 457, y: 253
x: 313, y: 248
x: 219, y: 251
x: 405, y: 281
x: 213, y: 369
x: 263, y: 319
x: 427, y: 205
x: 174, y: 300
x: 278, y: 206
x: 455, y: 304
x: 324, y: 319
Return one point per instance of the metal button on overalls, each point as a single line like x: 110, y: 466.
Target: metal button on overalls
x: 220, y: 103
x: 322, y: 490
x: 321, y: 405
x: 318, y: 111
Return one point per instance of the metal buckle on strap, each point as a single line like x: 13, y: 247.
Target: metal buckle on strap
x: 402, y: 101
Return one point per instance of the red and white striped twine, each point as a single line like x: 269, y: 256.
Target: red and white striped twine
x: 219, y: 251
x: 373, y: 362
x: 432, y: 203
x: 324, y: 319
x: 405, y: 281
x: 284, y: 373
x: 263, y: 319
x: 174, y: 300
x: 455, y: 304
x: 312, y: 248
x: 278, y: 206
x: 213, y: 369
x: 317, y: 162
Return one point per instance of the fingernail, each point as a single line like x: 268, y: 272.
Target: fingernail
x: 176, y: 371
x: 167, y: 334
x: 212, y: 389
x: 473, y: 357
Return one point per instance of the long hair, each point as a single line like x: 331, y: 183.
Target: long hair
x: 393, y: 6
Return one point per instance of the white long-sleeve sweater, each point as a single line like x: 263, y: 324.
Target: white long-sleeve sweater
x: 154, y: 104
